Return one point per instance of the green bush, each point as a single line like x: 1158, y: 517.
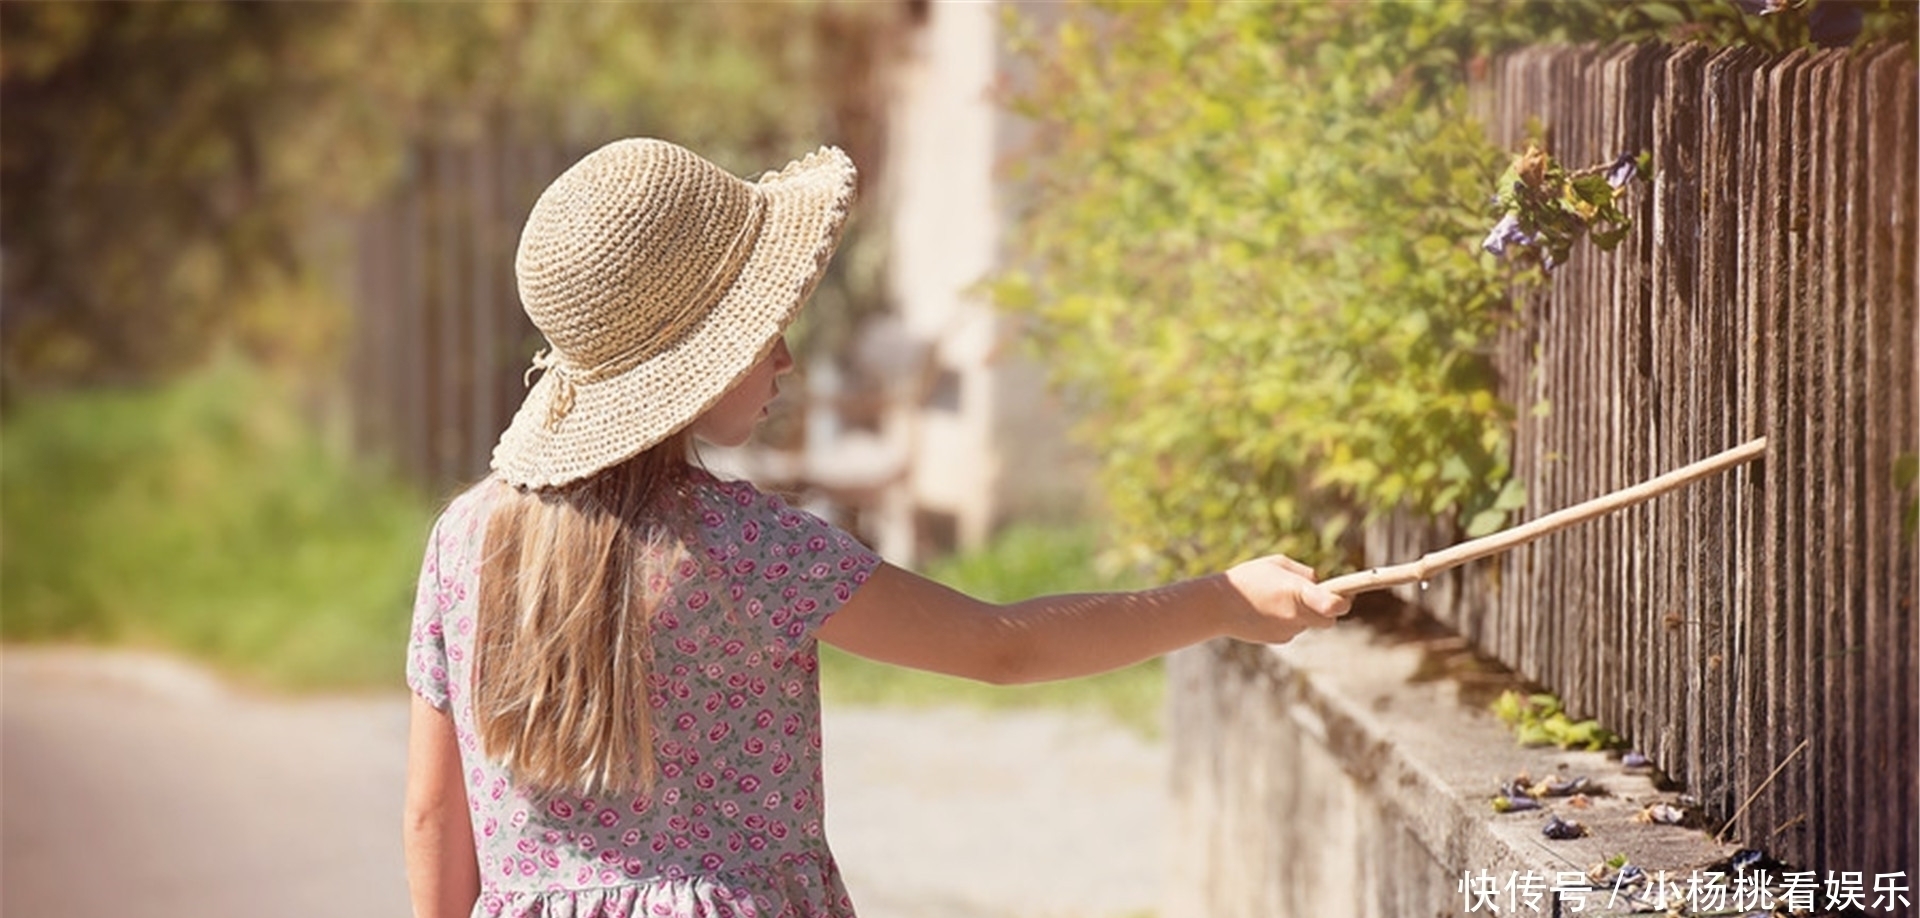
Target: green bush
x: 1030, y: 560
x: 1250, y: 234
x: 210, y: 519
x: 1540, y: 720
x: 1252, y: 247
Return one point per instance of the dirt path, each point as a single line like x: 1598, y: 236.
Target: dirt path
x: 136, y: 785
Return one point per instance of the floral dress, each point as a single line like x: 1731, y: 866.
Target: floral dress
x: 733, y: 825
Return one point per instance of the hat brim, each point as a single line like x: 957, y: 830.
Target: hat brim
x: 614, y: 419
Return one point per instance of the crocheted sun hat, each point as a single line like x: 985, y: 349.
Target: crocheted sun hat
x: 658, y: 279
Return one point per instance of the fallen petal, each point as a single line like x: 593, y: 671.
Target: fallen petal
x: 1506, y: 804
x: 1562, y: 829
x: 1559, y: 787
x: 1667, y: 815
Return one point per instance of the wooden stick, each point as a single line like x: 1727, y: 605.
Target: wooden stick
x: 1380, y: 578
x: 1721, y: 837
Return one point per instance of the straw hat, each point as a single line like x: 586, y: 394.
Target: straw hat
x: 658, y: 279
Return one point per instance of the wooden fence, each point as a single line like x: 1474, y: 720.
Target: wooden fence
x: 1768, y: 289
x: 440, y: 343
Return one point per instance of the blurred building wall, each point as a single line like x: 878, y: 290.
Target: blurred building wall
x: 935, y: 431
x: 984, y: 441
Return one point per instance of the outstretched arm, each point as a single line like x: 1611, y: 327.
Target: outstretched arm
x: 902, y: 618
x: 442, y: 872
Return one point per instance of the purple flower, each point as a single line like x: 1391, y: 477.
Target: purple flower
x: 1747, y: 859
x: 1624, y: 170
x: 1506, y: 804
x: 1562, y: 829
x: 1506, y: 232
x: 1833, y: 25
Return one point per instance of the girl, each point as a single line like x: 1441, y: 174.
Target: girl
x: 613, y: 653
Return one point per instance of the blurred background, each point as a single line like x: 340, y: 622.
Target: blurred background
x: 258, y: 323
x: 260, y: 315
x: 1130, y: 288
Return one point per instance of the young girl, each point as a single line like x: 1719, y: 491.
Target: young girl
x: 613, y: 654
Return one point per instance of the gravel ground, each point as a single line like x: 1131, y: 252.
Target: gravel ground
x: 133, y: 784
x: 968, y: 814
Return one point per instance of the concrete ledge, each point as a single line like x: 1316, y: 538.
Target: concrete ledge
x: 1327, y: 777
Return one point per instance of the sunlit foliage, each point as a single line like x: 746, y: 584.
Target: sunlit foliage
x: 1251, y: 238
x: 166, y: 164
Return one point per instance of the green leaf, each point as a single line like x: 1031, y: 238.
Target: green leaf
x: 1508, y: 707
x: 1663, y: 14
x: 1486, y: 522
x: 1513, y: 496
x: 1533, y: 734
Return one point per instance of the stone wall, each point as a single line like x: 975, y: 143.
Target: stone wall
x: 1331, y: 777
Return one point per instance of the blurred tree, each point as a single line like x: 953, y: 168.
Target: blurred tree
x: 140, y: 176
x: 160, y: 162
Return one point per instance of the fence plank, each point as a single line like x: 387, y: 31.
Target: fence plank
x: 1889, y: 270
x: 1722, y: 599
x: 440, y: 341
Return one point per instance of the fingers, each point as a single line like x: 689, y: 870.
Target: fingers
x: 1323, y: 602
x: 1282, y: 600
x: 1316, y: 598
x: 1292, y: 565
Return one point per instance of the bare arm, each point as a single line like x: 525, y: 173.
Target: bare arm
x: 902, y: 618
x: 442, y: 871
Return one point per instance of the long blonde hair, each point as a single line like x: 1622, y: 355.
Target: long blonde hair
x: 563, y: 653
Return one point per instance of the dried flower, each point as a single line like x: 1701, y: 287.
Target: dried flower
x: 1559, y: 787
x: 1507, y: 232
x: 1506, y: 804
x: 1661, y: 813
x: 1544, y: 208
x: 1562, y: 829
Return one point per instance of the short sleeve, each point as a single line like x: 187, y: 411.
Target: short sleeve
x: 427, y: 645
x: 797, y: 568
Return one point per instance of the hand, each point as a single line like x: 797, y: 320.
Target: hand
x: 1282, y: 600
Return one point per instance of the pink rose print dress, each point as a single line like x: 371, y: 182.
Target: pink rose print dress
x: 734, y: 823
